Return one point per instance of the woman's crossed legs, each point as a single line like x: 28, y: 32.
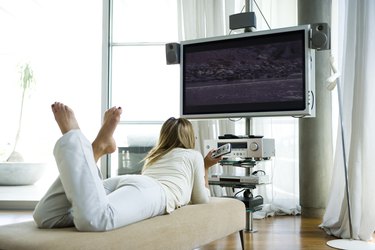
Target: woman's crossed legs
x: 78, y: 197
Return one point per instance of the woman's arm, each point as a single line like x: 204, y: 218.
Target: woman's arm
x: 200, y: 192
x: 209, y: 162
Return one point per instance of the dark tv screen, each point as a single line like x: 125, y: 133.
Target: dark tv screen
x: 247, y: 75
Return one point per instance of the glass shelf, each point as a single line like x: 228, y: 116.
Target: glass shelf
x: 245, y: 163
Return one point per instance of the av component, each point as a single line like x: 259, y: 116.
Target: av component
x: 172, y: 53
x: 255, y: 148
x: 242, y: 20
x: 253, y: 74
x: 238, y: 180
x: 320, y: 37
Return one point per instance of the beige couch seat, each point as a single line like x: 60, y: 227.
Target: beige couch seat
x: 186, y: 228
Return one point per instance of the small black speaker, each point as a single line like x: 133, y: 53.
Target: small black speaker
x: 172, y: 53
x: 242, y: 20
x: 321, y: 36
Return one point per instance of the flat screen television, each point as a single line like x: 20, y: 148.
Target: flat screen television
x: 262, y: 73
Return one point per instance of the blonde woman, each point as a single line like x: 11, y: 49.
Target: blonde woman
x: 174, y: 175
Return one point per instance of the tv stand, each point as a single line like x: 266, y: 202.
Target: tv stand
x: 252, y: 203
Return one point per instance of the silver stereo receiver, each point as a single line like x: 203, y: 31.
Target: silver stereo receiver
x: 256, y: 148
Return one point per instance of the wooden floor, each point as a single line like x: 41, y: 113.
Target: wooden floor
x: 280, y: 232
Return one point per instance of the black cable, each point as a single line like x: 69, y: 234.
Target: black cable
x: 243, y: 8
x: 235, y: 120
x: 312, y: 99
x: 269, y: 27
x: 247, y: 193
x: 238, y: 192
x: 258, y: 171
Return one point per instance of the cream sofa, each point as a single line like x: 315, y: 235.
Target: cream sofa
x: 186, y: 228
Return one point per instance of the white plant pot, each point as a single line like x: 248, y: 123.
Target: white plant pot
x: 20, y: 173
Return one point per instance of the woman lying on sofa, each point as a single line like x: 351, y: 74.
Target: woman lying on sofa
x: 174, y: 175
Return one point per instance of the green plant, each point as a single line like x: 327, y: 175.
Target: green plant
x: 26, y: 81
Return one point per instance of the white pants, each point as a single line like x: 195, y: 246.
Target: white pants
x: 81, y: 198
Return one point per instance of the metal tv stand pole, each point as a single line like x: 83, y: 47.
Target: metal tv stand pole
x: 247, y: 21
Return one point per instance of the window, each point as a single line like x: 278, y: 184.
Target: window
x: 61, y: 41
x: 140, y: 81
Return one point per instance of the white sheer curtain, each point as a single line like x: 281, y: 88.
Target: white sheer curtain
x: 356, y: 59
x: 206, y: 18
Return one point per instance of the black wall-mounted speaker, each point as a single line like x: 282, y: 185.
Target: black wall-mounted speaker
x: 172, y: 53
x: 321, y: 36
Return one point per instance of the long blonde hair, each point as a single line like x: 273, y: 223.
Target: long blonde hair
x: 175, y: 133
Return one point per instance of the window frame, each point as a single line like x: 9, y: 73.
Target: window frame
x: 107, y: 56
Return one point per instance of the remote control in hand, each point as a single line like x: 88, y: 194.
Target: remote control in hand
x: 222, y: 150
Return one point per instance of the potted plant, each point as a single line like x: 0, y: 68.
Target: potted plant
x: 26, y: 80
x: 15, y: 171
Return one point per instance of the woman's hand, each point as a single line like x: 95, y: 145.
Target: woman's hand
x: 209, y: 161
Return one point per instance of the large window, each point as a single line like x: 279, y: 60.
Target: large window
x: 140, y: 80
x: 60, y: 40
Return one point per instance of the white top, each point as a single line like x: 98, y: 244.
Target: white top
x: 181, y: 173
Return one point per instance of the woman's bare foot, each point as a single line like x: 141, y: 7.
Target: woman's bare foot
x: 104, y: 142
x: 64, y: 117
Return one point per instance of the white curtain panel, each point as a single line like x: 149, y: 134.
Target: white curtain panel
x: 206, y: 18
x: 356, y: 60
